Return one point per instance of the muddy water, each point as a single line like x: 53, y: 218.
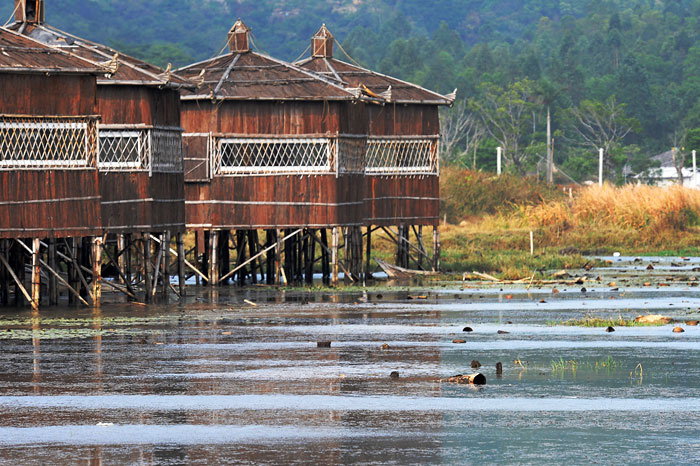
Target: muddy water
x: 231, y: 383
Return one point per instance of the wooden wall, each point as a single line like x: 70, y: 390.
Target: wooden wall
x: 39, y: 94
x: 403, y: 120
x: 49, y: 203
x: 133, y: 201
x: 402, y: 199
x: 275, y: 202
x: 274, y: 118
x: 138, y: 105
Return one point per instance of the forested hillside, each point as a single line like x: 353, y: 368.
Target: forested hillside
x: 618, y: 74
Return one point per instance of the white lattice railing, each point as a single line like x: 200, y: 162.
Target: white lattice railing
x: 392, y: 156
x: 230, y: 155
x: 278, y: 156
x: 134, y: 148
x: 29, y: 142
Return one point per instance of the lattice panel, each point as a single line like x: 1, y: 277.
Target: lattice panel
x: 351, y: 155
x: 393, y: 156
x: 260, y: 156
x: 123, y: 151
x: 166, y: 151
x: 36, y: 143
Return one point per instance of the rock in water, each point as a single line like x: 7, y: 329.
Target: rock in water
x: 385, y: 346
x: 467, y: 329
x: 499, y: 368
x: 692, y: 323
x: 475, y: 364
x: 678, y: 330
x: 610, y: 329
x: 458, y: 341
x: 323, y: 344
x: 394, y: 375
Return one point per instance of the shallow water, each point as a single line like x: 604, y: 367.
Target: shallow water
x: 230, y: 383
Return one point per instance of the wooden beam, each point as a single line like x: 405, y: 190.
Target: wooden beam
x: 17, y: 280
x: 180, y: 254
x: 97, y: 271
x: 36, y: 274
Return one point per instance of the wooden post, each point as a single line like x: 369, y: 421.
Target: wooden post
x: 127, y: 257
x: 550, y: 152
x: 309, y: 249
x: 368, y: 263
x: 271, y: 257
x: 18, y: 283
x: 181, y: 264
x: 53, y: 282
x: 278, y: 258
x: 436, y: 249
x: 253, y: 251
x: 18, y: 264
x: 224, y: 254
x: 165, y: 245
x: 121, y: 263
x: 4, y: 276
x: 214, y: 263
x: 402, y: 247
x: 73, y: 278
x: 147, y: 266
x: 36, y: 274
x: 196, y: 256
x: 334, y: 255
x: 325, y: 262
x: 206, y: 257
x: 601, y: 154
x: 97, y: 271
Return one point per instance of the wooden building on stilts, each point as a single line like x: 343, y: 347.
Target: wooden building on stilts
x: 49, y: 186
x: 139, y: 160
x: 270, y: 146
x: 401, y: 161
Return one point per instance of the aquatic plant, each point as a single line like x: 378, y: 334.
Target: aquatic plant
x: 608, y: 364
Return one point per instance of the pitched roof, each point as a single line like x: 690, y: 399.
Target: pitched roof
x: 254, y: 76
x: 377, y: 85
x: 116, y: 67
x: 22, y: 54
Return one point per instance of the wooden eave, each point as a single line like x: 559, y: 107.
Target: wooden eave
x: 131, y: 71
x: 352, y: 76
x: 253, y: 76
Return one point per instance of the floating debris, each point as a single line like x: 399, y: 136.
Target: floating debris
x: 692, y: 323
x: 459, y: 341
x: 650, y: 267
x: 473, y: 379
x: 386, y: 346
x: 503, y: 332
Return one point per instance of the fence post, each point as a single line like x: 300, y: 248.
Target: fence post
x: 499, y: 156
x: 600, y: 166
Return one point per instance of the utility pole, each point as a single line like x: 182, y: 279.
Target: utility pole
x: 499, y: 156
x: 550, y: 152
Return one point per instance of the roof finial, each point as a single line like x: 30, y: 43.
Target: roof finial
x: 322, y: 43
x: 239, y: 38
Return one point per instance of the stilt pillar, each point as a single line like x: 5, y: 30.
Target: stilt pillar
x: 36, y: 274
x: 436, y: 249
x: 147, y: 266
x: 53, y: 282
x: 368, y: 262
x: 121, y: 259
x: 181, y: 264
x: 213, y: 259
x: 334, y: 255
x: 4, y: 276
x: 97, y: 271
x: 165, y: 245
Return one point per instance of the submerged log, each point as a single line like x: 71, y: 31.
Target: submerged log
x: 473, y: 379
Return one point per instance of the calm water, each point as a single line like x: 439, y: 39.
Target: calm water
x: 220, y: 383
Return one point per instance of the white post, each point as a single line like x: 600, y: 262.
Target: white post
x: 532, y: 243
x: 600, y: 167
x: 499, y: 156
x: 695, y: 170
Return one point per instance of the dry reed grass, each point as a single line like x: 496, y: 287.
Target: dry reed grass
x: 629, y: 207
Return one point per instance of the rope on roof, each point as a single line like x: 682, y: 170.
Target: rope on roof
x: 348, y: 55
x: 13, y: 15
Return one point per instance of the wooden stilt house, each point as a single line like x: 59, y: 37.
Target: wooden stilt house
x: 140, y: 158
x: 269, y: 145
x: 49, y: 186
x: 401, y: 161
